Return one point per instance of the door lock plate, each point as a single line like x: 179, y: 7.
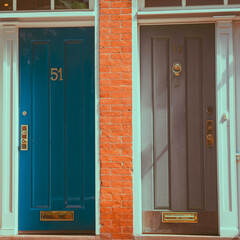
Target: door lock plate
x: 24, y: 137
x: 209, y: 133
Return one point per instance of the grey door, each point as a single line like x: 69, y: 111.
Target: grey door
x: 179, y: 169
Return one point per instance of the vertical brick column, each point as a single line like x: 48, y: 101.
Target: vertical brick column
x: 116, y: 197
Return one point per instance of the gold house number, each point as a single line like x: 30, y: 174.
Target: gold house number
x: 56, y: 74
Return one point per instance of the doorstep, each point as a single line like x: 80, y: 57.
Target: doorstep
x: 183, y: 237
x: 49, y: 237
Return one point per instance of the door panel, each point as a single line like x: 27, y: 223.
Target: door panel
x: 160, y: 120
x: 40, y: 128
x: 178, y: 168
x: 75, y: 124
x: 194, y: 86
x: 57, y: 173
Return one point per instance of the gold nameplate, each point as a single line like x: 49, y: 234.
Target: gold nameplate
x: 179, y: 217
x: 57, y: 216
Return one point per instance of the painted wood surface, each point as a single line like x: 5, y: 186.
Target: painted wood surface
x: 179, y: 170
x: 57, y: 173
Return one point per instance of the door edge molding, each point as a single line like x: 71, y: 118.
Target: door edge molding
x: 226, y: 138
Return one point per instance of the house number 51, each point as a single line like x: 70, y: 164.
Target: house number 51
x: 56, y: 74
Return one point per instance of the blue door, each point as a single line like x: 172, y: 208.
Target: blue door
x: 57, y: 130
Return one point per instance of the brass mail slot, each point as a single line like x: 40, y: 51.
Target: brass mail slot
x: 57, y: 216
x: 179, y: 217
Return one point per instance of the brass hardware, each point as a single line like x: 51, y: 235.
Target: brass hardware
x: 179, y: 217
x: 175, y: 49
x: 225, y: 117
x: 24, y: 137
x: 57, y: 216
x: 24, y: 113
x: 177, y: 69
x: 56, y: 74
x: 209, y: 110
x: 209, y: 133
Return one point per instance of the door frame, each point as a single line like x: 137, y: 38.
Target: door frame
x: 225, y: 99
x: 9, y: 121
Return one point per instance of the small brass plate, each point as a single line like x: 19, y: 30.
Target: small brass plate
x: 24, y: 137
x: 209, y: 133
x: 179, y: 217
x: 57, y: 216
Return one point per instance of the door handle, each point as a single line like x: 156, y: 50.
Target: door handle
x: 209, y: 133
x: 24, y: 137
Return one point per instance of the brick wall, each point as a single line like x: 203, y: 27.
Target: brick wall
x: 116, y: 201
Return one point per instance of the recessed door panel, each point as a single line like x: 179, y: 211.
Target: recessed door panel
x: 178, y: 166
x: 194, y: 124
x: 40, y: 125
x: 57, y: 171
x: 75, y: 123
x: 160, y: 54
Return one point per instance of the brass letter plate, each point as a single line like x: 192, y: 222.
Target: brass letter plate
x: 179, y: 217
x: 57, y: 216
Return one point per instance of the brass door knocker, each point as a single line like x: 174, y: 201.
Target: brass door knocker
x: 177, y: 69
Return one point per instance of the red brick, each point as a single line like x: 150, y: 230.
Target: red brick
x: 104, y: 17
x: 121, y: 30
x: 122, y: 197
x: 104, y: 31
x: 122, y: 171
x: 116, y: 204
x: 110, y: 139
x: 106, y: 197
x: 126, y: 11
x: 113, y: 152
x: 104, y: 56
x: 111, y: 190
x: 116, y: 195
x: 111, y: 229
x: 122, y: 184
x: 122, y: 236
x: 104, y: 5
x: 121, y: 17
x: 105, y: 44
x: 121, y: 56
x: 111, y: 178
x: 106, y: 223
x: 106, y: 184
x: 110, y: 11
x: 122, y: 223
x: 109, y: 24
x: 105, y: 171
x: 122, y: 43
x: 122, y: 158
x: 121, y: 5
x: 103, y: 49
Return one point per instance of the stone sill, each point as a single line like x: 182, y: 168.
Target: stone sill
x: 50, y: 237
x: 183, y: 237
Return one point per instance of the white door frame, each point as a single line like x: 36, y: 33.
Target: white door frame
x: 9, y: 107
x: 225, y: 127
